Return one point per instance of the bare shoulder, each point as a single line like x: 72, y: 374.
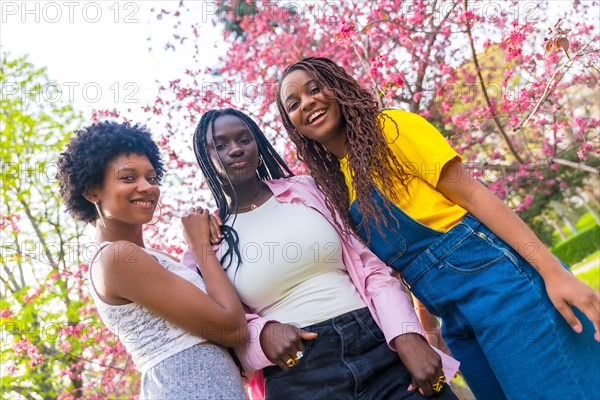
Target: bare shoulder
x: 123, y: 270
x: 109, y: 272
x: 119, y: 253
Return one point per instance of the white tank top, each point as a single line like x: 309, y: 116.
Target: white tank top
x: 147, y: 337
x: 292, y: 269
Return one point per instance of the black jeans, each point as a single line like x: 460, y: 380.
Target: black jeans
x: 350, y: 359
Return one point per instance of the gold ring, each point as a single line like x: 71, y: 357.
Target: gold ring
x: 290, y: 363
x: 438, y: 386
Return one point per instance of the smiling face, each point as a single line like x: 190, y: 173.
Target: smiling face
x: 129, y: 193
x: 233, y: 150
x: 312, y: 114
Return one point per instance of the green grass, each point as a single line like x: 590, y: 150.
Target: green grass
x: 579, y: 246
x: 586, y: 221
x: 592, y: 257
x: 591, y: 277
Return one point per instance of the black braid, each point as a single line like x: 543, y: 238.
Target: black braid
x: 272, y: 167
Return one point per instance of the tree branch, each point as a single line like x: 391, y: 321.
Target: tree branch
x: 546, y: 92
x: 511, y: 148
x: 575, y: 165
x: 36, y: 228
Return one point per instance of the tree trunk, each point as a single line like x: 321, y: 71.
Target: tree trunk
x: 564, y: 217
x: 557, y: 228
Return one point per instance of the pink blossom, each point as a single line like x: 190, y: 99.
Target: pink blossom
x: 65, y: 346
x: 5, y: 313
x: 35, y: 357
x: 525, y: 204
x: 21, y: 347
x: 445, y: 69
x: 579, y: 122
x: 345, y: 34
x: 31, y: 295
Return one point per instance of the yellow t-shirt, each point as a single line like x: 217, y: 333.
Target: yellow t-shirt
x: 423, y: 152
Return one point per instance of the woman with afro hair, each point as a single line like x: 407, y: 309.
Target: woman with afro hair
x: 506, y: 303
x: 171, y: 320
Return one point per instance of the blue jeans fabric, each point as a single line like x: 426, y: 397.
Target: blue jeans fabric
x: 497, y: 319
x: 350, y: 359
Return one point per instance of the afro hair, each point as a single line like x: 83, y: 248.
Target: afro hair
x: 82, y: 165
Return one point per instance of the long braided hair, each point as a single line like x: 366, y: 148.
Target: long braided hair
x: 272, y: 167
x: 370, y: 159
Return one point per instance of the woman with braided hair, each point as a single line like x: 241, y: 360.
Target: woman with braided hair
x: 327, y: 319
x: 504, y: 300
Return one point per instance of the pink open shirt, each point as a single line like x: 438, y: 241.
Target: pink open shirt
x: 381, y: 292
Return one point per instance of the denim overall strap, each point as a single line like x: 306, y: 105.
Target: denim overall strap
x: 497, y: 318
x: 436, y: 252
x: 400, y: 240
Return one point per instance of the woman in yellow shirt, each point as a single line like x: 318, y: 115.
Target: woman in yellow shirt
x: 465, y: 255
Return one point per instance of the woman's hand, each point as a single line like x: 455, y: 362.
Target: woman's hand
x: 566, y: 291
x: 196, y: 230
x: 422, y: 362
x: 281, y: 342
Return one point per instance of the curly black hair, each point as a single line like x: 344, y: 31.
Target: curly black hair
x: 82, y: 165
x: 370, y: 159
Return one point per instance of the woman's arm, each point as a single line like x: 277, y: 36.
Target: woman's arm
x: 196, y: 231
x: 563, y: 288
x: 127, y: 272
x: 399, y: 323
x: 431, y: 327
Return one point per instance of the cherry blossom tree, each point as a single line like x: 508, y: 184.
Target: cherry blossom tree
x: 53, y: 343
x: 512, y: 85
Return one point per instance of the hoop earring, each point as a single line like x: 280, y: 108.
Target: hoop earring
x: 100, y: 215
x: 159, y: 216
x: 260, y: 162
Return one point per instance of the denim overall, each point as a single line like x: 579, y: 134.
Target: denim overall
x: 497, y: 319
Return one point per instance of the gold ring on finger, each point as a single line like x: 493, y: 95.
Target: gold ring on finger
x: 290, y: 363
x: 438, y: 386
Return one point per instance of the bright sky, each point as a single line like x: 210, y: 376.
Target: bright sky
x: 98, y: 51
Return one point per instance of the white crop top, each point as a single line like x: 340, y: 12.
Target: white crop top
x: 149, y: 338
x: 292, y: 269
